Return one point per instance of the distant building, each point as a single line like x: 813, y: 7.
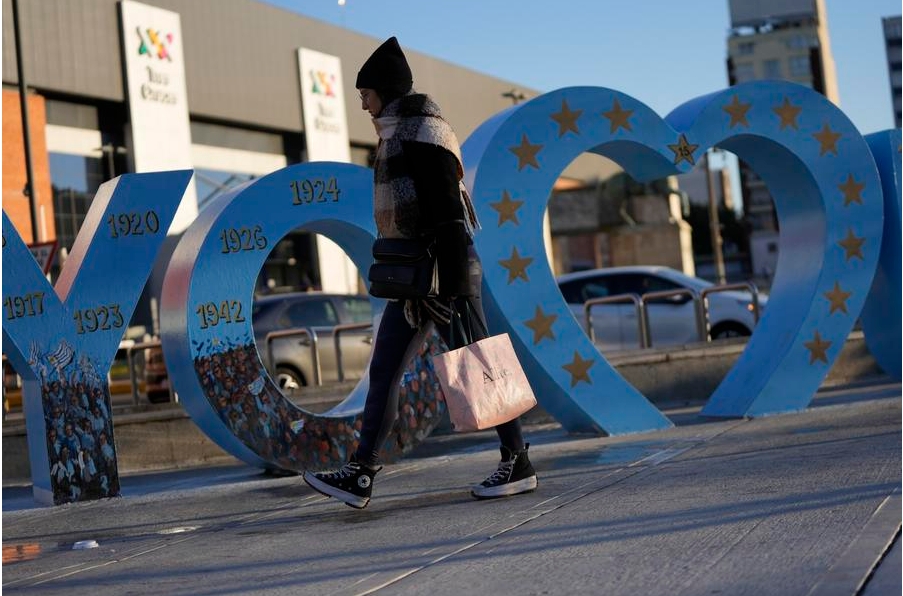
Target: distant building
x: 776, y: 39
x: 892, y: 43
x: 229, y: 74
x: 694, y: 183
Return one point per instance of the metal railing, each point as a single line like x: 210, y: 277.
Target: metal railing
x: 336, y: 338
x: 618, y: 298
x: 700, y: 308
x: 660, y: 295
x: 314, y: 349
x: 744, y: 285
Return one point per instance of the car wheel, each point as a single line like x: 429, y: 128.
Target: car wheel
x: 289, y: 381
x: 729, y: 329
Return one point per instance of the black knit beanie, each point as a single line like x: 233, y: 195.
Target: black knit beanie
x: 386, y: 71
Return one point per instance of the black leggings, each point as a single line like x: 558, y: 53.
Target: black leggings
x: 396, y: 343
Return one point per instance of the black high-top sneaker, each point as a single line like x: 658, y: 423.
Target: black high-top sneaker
x: 515, y: 475
x: 351, y: 484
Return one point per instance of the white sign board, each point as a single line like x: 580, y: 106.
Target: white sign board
x: 326, y: 139
x: 323, y: 104
x: 160, y: 134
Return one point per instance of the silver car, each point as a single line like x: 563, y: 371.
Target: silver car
x: 672, y: 321
x: 292, y: 361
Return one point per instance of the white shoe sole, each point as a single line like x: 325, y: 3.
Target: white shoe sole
x: 331, y: 491
x: 505, y: 490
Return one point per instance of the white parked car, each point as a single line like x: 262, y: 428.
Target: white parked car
x: 672, y: 321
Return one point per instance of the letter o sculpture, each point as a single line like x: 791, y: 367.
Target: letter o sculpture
x: 206, y: 322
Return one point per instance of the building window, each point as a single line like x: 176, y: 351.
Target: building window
x: 799, y: 66
x: 798, y: 42
x: 772, y: 69
x: 745, y: 48
x: 744, y: 73
x: 74, y: 181
x: 212, y: 183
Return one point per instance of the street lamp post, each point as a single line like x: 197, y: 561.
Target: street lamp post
x: 30, y: 191
x: 714, y: 224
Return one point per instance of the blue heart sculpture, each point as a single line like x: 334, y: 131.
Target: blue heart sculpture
x: 829, y: 205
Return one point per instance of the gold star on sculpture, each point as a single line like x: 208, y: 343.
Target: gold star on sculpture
x: 852, y: 245
x: 516, y: 266
x: 827, y: 138
x: 541, y: 324
x: 788, y: 113
x: 737, y: 112
x: 818, y: 349
x: 566, y: 119
x: 526, y: 153
x: 838, y: 299
x: 578, y: 368
x: 852, y: 191
x: 683, y: 151
x: 619, y: 118
x: 507, y: 209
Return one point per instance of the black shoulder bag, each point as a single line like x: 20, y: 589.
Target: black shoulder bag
x: 404, y: 268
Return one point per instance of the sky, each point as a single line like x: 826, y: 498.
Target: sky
x: 661, y: 52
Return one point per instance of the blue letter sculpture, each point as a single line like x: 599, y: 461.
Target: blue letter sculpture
x: 830, y: 205
x: 828, y: 197
x: 63, y: 342
x: 881, y: 321
x: 208, y: 341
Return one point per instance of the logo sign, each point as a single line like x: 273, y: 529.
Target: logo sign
x: 323, y: 104
x: 153, y: 44
x: 158, y: 102
x: 326, y: 136
x: 43, y: 253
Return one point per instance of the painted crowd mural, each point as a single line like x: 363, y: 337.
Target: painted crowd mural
x: 62, y: 339
x: 832, y: 205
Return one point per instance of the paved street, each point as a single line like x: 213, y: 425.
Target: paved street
x: 803, y: 503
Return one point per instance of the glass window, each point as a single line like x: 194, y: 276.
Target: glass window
x: 317, y: 312
x: 358, y: 309
x: 799, y: 66
x: 74, y: 181
x: 570, y: 291
x: 212, y: 183
x: 744, y: 73
x: 772, y: 69
x: 798, y: 42
x: 639, y: 283
x: 745, y: 48
x: 581, y: 290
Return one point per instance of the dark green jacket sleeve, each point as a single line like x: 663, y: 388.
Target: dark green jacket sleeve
x: 434, y: 171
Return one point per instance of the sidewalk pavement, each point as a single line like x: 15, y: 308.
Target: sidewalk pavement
x: 806, y: 503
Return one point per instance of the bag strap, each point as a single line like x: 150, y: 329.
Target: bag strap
x: 461, y: 324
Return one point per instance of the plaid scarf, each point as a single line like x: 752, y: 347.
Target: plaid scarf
x: 413, y: 117
x: 396, y: 210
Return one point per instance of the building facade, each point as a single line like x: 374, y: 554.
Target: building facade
x: 230, y: 68
x: 119, y: 86
x: 891, y: 26
x: 776, y: 39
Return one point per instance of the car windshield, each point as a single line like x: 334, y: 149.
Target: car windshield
x: 685, y: 280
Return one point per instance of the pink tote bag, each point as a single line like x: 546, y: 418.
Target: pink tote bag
x: 484, y: 384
